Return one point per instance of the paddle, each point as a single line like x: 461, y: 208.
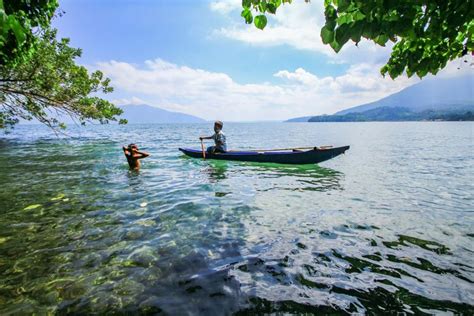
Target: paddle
x: 203, y: 151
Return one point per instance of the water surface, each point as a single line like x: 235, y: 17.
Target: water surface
x: 386, y: 227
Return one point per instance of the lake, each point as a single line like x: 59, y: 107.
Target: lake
x: 387, y: 227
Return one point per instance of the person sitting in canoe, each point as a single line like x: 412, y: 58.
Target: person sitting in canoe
x: 219, y: 139
x: 133, y: 155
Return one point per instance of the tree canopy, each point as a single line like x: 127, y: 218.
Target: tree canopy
x: 18, y: 19
x: 427, y: 33
x: 50, y: 85
x: 39, y: 76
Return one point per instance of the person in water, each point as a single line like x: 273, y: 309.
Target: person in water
x: 133, y: 156
x: 219, y: 139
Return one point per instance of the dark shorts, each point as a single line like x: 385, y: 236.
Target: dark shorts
x: 215, y: 149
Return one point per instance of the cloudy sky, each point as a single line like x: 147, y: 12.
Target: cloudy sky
x: 199, y: 57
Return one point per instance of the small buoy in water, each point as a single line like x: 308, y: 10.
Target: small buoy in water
x: 143, y: 204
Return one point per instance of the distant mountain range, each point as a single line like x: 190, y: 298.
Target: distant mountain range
x: 140, y: 114
x: 149, y: 114
x: 386, y: 114
x: 431, y: 99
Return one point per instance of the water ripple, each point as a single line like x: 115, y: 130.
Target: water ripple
x: 384, y: 229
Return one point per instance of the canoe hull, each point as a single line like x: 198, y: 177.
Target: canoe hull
x: 284, y: 157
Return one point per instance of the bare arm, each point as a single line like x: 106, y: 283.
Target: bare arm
x: 140, y: 154
x: 126, y: 151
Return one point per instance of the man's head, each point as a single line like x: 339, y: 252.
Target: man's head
x: 218, y: 126
x: 132, y: 147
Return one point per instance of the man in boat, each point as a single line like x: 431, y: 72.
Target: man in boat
x: 133, y: 156
x: 219, y: 139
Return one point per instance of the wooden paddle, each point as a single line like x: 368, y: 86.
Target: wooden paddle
x: 203, y: 151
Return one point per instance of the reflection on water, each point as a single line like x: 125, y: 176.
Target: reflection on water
x: 363, y: 233
x: 299, y: 178
x: 292, y: 178
x: 216, y: 170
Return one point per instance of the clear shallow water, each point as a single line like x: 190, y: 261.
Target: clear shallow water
x: 386, y: 227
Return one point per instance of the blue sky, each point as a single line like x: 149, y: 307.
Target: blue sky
x: 199, y: 57
x: 178, y: 31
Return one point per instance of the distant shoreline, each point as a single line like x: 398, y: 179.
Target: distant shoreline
x: 393, y: 114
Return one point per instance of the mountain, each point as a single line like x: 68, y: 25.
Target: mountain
x: 299, y: 119
x: 387, y: 114
x: 435, y: 98
x: 149, y: 114
x: 139, y: 114
x: 454, y: 94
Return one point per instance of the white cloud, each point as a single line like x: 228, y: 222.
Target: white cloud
x: 300, y: 75
x: 225, y: 6
x: 215, y: 95
x: 297, y: 25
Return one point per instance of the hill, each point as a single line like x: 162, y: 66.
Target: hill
x: 451, y: 94
x: 435, y: 98
x: 149, y: 114
x: 387, y: 114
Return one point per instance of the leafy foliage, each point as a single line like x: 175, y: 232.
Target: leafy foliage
x: 39, y: 77
x: 49, y: 84
x: 427, y: 33
x: 18, y: 19
x: 261, y: 6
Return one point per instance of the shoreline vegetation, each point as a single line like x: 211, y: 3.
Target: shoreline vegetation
x: 392, y: 114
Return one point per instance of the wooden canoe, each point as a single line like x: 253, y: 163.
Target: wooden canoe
x: 294, y: 156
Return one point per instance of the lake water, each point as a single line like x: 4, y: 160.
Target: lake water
x: 386, y: 227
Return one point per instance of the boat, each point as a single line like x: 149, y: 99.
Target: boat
x: 295, y: 156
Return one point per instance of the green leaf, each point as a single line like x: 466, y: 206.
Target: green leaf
x: 260, y: 21
x: 342, y: 34
x: 367, y: 31
x: 271, y: 8
x: 356, y: 31
x: 330, y: 12
x: 381, y: 39
x: 247, y: 15
x: 327, y: 35
x: 17, y: 29
x: 358, y: 16
x: 246, y: 3
x: 344, y: 19
x: 336, y: 46
x: 342, y: 5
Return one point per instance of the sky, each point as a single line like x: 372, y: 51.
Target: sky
x: 199, y: 57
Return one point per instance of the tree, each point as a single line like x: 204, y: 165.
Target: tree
x: 49, y: 84
x: 39, y: 77
x: 427, y: 33
x: 18, y: 18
